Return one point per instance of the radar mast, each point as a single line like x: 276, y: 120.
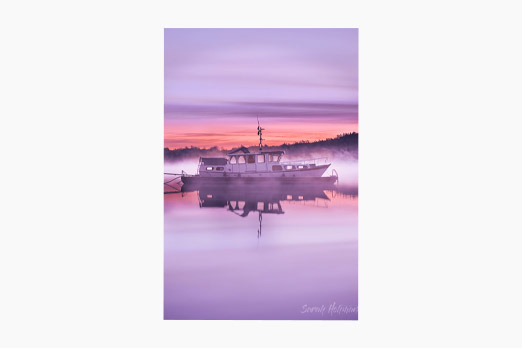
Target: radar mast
x: 260, y: 133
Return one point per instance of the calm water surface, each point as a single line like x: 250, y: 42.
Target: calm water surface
x: 282, y: 253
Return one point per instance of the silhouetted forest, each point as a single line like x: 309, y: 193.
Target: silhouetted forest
x: 345, y: 144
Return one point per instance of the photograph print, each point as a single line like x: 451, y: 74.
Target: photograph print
x: 261, y: 174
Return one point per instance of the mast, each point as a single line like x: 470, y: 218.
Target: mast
x: 260, y: 133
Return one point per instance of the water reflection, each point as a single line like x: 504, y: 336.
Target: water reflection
x: 304, y: 256
x: 244, y: 200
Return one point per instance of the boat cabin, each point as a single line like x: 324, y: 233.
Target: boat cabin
x: 244, y: 162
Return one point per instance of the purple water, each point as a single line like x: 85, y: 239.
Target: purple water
x: 286, y: 254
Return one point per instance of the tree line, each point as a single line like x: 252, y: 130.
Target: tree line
x: 345, y: 142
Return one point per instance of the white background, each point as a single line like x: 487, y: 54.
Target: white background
x: 81, y: 146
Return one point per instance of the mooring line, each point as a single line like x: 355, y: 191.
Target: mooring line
x: 176, y: 178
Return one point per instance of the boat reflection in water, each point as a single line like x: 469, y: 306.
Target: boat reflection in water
x: 215, y: 267
x: 245, y: 200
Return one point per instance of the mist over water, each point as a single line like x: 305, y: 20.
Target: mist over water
x: 190, y: 166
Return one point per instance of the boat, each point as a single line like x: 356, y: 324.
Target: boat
x: 263, y: 167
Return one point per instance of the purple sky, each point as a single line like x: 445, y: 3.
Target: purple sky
x: 218, y: 80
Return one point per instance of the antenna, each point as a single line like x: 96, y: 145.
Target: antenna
x: 260, y: 133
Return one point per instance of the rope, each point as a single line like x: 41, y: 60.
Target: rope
x: 176, y: 178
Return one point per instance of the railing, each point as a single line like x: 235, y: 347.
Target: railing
x: 183, y: 173
x: 320, y: 160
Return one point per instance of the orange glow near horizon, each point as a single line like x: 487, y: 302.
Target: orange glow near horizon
x: 233, y: 135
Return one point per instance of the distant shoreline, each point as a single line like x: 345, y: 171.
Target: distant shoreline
x: 346, y: 143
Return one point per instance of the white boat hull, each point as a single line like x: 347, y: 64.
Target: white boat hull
x: 198, y: 181
x: 315, y: 172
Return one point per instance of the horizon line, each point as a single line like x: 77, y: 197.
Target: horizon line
x: 221, y: 148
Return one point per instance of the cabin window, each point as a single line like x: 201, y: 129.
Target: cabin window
x: 241, y: 159
x: 277, y: 168
x: 220, y: 168
x: 301, y: 167
x: 289, y: 167
x: 210, y: 168
x: 233, y: 160
x: 274, y: 157
x: 260, y: 158
x: 251, y: 159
